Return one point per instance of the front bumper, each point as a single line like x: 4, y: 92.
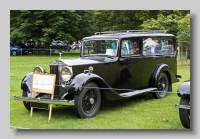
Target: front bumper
x: 45, y: 101
x: 182, y: 106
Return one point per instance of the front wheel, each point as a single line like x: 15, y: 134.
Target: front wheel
x: 88, y: 102
x: 162, y: 85
x: 26, y: 104
x: 184, y: 114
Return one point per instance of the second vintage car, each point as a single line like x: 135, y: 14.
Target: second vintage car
x: 184, y: 104
x: 112, y: 65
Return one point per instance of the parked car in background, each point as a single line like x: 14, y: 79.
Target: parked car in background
x: 113, y: 65
x: 184, y: 104
x: 17, y: 50
x: 59, y: 46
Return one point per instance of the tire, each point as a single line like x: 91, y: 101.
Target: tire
x: 184, y: 114
x: 26, y: 104
x: 88, y: 102
x: 162, y: 85
x: 14, y: 53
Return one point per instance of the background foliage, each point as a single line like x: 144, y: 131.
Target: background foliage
x: 73, y: 25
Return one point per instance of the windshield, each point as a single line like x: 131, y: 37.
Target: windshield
x: 99, y: 47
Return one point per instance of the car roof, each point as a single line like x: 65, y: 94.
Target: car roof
x: 127, y: 34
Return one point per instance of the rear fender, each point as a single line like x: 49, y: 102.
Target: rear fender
x: 157, y: 71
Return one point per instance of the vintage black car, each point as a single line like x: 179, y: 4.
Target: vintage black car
x: 113, y: 65
x: 184, y: 104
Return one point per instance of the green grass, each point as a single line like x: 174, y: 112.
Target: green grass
x: 140, y: 112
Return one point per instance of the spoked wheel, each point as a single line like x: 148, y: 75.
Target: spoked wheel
x: 184, y: 114
x: 88, y: 102
x: 162, y: 85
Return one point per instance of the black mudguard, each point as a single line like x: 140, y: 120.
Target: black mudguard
x: 82, y: 79
x: 26, y: 84
x: 157, y: 71
x: 184, y: 89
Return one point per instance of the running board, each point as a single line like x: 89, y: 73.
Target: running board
x: 137, y: 92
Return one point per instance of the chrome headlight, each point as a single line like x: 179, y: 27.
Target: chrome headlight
x: 66, y: 74
x: 39, y: 69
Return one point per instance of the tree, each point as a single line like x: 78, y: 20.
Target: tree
x: 184, y: 31
x: 109, y: 20
x: 45, y: 25
x: 71, y: 25
x: 165, y: 20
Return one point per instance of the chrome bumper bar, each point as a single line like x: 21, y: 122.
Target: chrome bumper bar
x: 182, y: 106
x: 46, y: 101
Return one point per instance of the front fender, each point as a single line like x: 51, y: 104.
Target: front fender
x: 184, y: 89
x: 26, y: 83
x: 82, y: 79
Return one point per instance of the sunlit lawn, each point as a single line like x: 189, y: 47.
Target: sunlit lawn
x: 140, y: 112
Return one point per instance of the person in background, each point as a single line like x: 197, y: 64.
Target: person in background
x: 114, y: 47
x: 152, y: 47
x: 79, y: 44
x: 127, y: 46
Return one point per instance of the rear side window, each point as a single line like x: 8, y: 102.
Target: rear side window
x: 130, y: 47
x: 161, y: 46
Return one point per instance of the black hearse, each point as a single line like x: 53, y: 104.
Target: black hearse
x: 113, y: 65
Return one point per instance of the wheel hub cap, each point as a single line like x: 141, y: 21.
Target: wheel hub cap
x: 163, y: 86
x: 91, y: 100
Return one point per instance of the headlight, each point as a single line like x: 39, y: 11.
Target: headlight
x: 39, y: 69
x: 66, y: 74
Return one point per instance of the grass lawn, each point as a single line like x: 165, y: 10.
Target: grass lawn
x: 140, y: 112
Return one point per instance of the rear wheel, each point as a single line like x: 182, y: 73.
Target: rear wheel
x: 162, y: 85
x: 184, y: 114
x: 88, y: 102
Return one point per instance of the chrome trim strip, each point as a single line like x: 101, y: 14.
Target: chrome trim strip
x: 46, y: 101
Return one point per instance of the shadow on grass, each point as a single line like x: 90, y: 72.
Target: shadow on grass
x: 108, y: 105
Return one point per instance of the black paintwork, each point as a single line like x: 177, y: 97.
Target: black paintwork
x: 139, y: 72
x: 184, y: 89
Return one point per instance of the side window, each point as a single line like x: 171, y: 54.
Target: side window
x: 152, y: 46
x: 167, y: 47
x: 129, y: 47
